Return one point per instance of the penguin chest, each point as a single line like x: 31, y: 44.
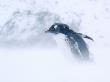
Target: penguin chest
x: 62, y: 43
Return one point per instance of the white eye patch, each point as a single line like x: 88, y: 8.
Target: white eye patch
x: 63, y: 26
x: 55, y: 26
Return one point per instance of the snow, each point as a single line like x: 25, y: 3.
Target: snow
x: 42, y: 65
x: 30, y: 55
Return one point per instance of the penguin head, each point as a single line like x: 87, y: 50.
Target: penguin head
x: 58, y: 28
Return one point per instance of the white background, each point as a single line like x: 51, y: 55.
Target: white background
x: 46, y: 63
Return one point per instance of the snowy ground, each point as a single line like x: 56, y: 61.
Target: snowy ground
x: 45, y: 62
x: 41, y: 65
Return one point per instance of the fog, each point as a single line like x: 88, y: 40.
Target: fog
x: 30, y: 55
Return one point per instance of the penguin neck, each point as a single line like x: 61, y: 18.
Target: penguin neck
x: 69, y: 33
x: 61, y: 43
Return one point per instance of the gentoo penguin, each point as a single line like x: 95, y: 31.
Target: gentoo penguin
x: 75, y: 40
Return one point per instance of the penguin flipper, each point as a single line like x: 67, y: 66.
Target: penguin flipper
x: 88, y: 37
x: 85, y: 36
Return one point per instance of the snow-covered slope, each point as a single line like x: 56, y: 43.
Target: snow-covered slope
x: 26, y: 27
x: 23, y: 22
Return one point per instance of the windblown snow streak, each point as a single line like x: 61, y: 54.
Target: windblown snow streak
x: 27, y: 27
x: 22, y: 22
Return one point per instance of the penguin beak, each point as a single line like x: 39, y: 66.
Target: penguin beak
x: 47, y: 31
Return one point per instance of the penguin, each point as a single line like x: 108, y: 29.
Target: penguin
x: 75, y: 40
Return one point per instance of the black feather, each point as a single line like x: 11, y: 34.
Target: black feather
x: 75, y: 40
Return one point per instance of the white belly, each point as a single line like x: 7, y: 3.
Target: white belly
x: 63, y: 46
